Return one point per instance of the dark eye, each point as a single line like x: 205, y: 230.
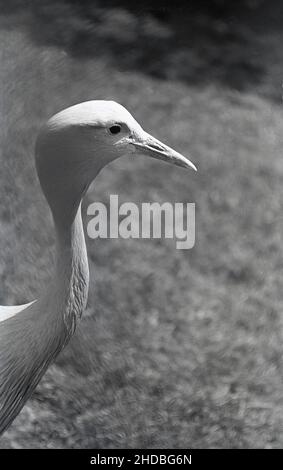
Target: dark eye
x: 115, y: 129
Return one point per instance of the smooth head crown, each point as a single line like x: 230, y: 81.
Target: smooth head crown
x: 96, y: 113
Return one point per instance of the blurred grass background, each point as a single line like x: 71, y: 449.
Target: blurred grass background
x: 176, y: 348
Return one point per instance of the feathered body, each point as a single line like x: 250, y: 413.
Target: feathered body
x: 32, y: 338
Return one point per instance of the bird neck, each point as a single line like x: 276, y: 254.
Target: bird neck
x: 71, y: 280
x: 31, y: 339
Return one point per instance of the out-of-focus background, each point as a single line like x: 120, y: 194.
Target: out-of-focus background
x: 177, y: 348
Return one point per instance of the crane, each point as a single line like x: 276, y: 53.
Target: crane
x: 71, y: 149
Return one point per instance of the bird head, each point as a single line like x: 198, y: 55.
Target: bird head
x: 79, y: 141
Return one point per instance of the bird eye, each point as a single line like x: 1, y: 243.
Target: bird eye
x: 115, y: 129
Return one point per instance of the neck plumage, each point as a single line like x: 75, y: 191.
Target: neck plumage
x: 31, y: 339
x: 70, y: 285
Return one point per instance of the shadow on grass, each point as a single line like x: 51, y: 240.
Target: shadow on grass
x: 200, y: 43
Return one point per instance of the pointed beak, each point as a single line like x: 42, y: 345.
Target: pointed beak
x: 148, y: 145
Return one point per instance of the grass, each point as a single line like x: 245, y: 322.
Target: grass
x: 176, y: 348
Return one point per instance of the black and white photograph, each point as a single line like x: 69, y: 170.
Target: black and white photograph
x: 141, y: 228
